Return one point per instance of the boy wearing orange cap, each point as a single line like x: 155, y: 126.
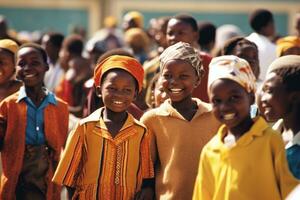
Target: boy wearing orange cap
x: 107, y: 156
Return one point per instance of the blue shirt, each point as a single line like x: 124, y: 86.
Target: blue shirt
x: 293, y: 158
x: 35, y: 134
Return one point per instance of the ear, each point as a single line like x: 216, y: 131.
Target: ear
x: 98, y: 91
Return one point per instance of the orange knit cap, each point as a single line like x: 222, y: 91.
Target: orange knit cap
x: 126, y: 63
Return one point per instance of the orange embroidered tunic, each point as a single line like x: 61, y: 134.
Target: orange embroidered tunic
x: 13, y: 137
x: 101, y: 167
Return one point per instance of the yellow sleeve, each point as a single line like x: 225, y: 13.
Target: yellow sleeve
x: 204, y: 186
x: 68, y: 171
x: 285, y: 180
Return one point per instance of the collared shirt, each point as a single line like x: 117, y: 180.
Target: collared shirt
x: 100, y: 166
x: 234, y: 173
x: 35, y: 134
x: 176, y: 147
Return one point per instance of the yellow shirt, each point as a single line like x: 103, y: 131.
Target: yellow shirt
x: 254, y: 169
x: 176, y: 147
x: 101, y: 167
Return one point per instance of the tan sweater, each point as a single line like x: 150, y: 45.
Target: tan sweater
x: 176, y: 147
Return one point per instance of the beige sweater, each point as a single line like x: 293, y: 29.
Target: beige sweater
x: 176, y: 147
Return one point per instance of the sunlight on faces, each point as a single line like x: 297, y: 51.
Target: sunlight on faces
x: 180, y: 31
x: 273, y: 98
x: 7, y: 65
x: 31, y: 67
x: 159, y: 94
x: 231, y: 102
x: 179, y: 79
x: 118, y: 89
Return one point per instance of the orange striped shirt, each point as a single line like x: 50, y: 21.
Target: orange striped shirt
x: 99, y: 166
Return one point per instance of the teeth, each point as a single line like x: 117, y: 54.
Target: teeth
x: 176, y: 90
x: 118, y: 102
x: 29, y: 75
x: 229, y: 116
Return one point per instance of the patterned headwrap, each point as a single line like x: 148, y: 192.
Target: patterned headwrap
x: 126, y: 63
x: 233, y: 68
x: 9, y: 45
x: 182, y: 51
x: 285, y: 43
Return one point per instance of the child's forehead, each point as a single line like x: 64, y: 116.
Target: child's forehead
x: 6, y: 53
x: 223, y: 84
x: 25, y: 51
x: 117, y: 73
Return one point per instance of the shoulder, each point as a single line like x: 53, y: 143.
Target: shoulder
x: 93, y: 117
x: 150, y: 114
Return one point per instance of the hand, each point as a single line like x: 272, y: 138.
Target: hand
x: 145, y: 194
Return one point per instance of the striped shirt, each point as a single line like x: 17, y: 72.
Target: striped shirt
x: 99, y: 166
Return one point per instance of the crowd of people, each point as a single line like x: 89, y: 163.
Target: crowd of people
x: 181, y: 110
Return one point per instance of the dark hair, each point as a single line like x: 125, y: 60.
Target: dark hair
x: 260, y: 18
x: 55, y: 38
x: 207, y: 33
x: 188, y: 20
x: 38, y: 48
x: 74, y: 44
x: 290, y: 78
x: 233, y: 42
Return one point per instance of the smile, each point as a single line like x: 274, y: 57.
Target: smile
x: 229, y: 116
x: 176, y: 91
x: 118, y: 102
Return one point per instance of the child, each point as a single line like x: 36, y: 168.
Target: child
x: 184, y: 28
x: 280, y: 99
x: 155, y: 94
x: 246, y: 159
x: 107, y: 155
x: 33, y: 131
x: 8, y: 83
x: 181, y: 125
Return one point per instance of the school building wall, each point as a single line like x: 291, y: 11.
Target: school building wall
x: 62, y: 15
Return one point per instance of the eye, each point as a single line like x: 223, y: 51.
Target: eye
x: 184, y: 76
x: 167, y: 76
x: 216, y: 101
x: 234, y: 98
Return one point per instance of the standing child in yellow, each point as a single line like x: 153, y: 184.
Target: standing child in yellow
x: 107, y: 156
x: 246, y: 158
x: 181, y: 126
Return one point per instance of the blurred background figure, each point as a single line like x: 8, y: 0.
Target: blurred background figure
x: 298, y: 24
x: 52, y: 42
x: 223, y: 34
x: 133, y: 19
x: 4, y: 30
x: 289, y: 45
x: 138, y: 41
x: 207, y: 36
x: 263, y: 25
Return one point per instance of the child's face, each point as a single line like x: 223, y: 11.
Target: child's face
x: 118, y: 90
x: 273, y: 98
x: 31, y: 67
x: 7, y: 66
x: 159, y: 94
x: 179, y: 31
x: 179, y: 79
x: 231, y: 102
x: 250, y: 54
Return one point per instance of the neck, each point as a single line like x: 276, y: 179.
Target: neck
x: 291, y: 122
x: 6, y: 84
x: 241, y: 128
x: 109, y: 115
x: 186, y: 103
